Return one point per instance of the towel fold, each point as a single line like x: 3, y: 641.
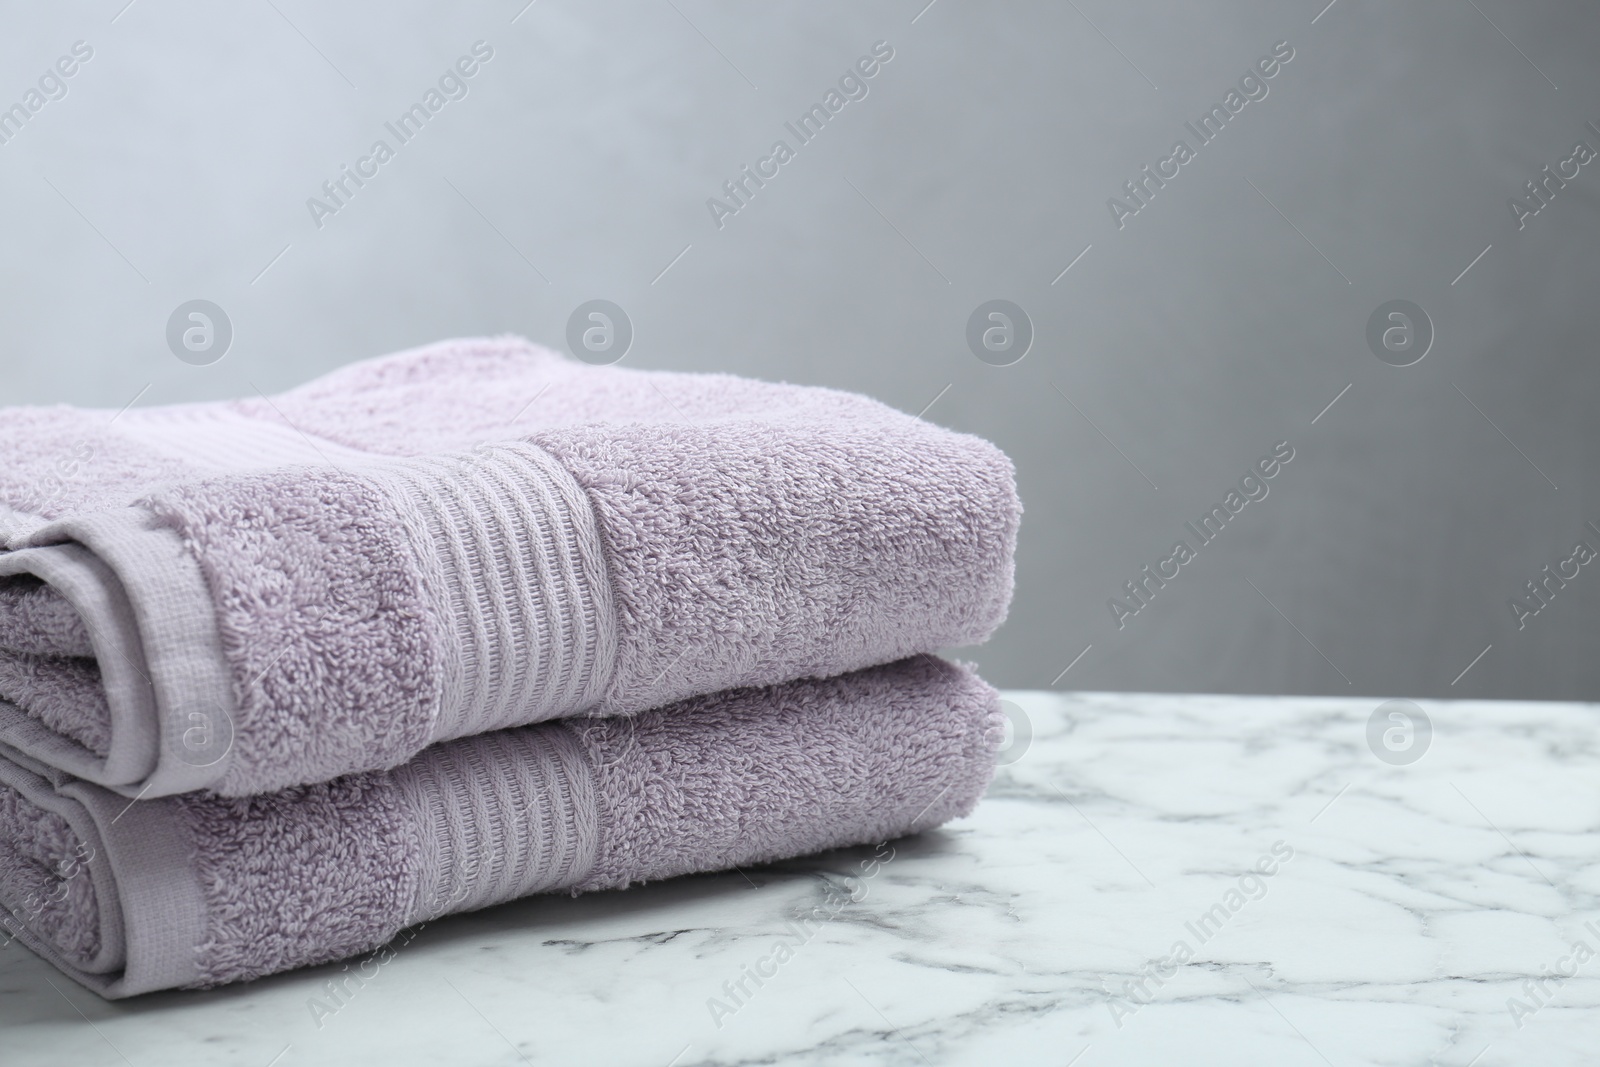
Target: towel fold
x: 198, y: 890
x: 477, y: 535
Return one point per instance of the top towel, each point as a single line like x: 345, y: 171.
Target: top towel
x: 474, y: 535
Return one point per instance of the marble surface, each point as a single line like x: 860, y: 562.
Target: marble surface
x: 1421, y: 901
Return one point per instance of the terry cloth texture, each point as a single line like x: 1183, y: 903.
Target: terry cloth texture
x: 462, y: 538
x: 199, y: 890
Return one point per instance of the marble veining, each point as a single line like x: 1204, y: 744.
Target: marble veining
x: 1108, y: 903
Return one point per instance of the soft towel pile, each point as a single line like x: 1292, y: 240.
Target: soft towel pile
x: 280, y: 677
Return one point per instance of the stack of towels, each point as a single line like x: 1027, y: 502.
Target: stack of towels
x: 284, y: 676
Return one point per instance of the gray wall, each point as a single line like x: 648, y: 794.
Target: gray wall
x: 1216, y: 322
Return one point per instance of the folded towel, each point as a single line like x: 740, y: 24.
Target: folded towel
x: 198, y: 890
x: 476, y: 535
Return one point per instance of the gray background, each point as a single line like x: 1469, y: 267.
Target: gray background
x: 1190, y: 341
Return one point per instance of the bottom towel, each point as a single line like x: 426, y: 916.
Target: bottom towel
x: 198, y: 890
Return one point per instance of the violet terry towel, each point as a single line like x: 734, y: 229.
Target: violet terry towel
x: 241, y: 597
x: 198, y: 890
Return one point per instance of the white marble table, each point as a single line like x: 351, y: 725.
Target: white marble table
x: 1419, y: 901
